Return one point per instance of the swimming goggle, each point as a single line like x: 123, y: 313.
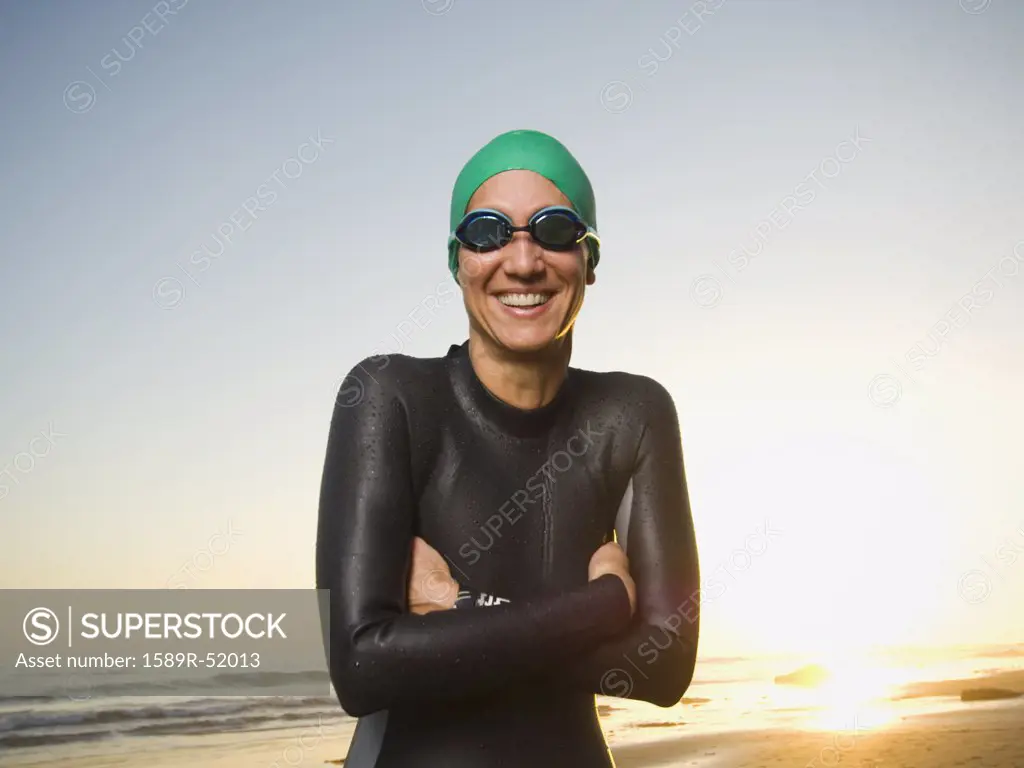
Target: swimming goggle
x: 554, y: 228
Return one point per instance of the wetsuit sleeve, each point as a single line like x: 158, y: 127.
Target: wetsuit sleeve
x: 380, y: 655
x: 654, y: 660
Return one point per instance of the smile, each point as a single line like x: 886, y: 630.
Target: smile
x: 524, y: 305
x: 524, y: 300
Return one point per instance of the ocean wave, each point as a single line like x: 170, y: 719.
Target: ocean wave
x: 193, y: 726
x: 283, y: 682
x: 15, y: 741
x: 185, y: 727
x: 222, y: 725
x: 23, y: 720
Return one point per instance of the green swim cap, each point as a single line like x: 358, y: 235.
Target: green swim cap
x: 524, y: 150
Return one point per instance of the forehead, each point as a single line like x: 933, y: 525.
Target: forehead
x: 517, y: 191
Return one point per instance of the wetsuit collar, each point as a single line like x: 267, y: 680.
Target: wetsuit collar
x: 518, y: 422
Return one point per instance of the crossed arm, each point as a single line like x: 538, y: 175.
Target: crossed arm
x: 380, y: 655
x: 655, y: 658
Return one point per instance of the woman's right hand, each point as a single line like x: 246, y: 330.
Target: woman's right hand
x: 610, y: 558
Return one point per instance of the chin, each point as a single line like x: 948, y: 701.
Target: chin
x: 528, y: 342
x: 526, y: 336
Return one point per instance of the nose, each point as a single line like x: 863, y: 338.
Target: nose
x: 523, y: 258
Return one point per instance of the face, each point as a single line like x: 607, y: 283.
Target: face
x: 521, y: 297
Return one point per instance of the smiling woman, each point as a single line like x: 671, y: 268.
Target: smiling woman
x: 558, y: 465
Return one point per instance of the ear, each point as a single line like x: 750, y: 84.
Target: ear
x: 591, y: 277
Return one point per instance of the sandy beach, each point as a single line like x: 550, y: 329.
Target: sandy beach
x: 989, y: 736
x: 984, y: 735
x: 973, y: 734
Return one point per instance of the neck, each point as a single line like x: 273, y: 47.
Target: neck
x: 523, y: 380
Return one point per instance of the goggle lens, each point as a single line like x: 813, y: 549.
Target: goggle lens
x: 485, y: 232
x: 557, y: 229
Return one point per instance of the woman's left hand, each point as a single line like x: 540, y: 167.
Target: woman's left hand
x: 431, y: 586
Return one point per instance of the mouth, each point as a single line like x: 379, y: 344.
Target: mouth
x: 522, y: 304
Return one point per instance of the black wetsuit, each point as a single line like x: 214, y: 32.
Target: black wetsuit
x: 516, y: 501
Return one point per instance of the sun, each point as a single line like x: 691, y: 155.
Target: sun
x: 856, y: 696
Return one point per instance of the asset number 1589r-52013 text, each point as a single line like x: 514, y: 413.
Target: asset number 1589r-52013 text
x: 195, y: 661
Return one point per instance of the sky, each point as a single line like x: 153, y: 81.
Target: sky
x: 809, y: 216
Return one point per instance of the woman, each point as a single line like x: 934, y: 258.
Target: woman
x: 501, y: 472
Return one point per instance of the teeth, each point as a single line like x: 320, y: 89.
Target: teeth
x: 523, y: 299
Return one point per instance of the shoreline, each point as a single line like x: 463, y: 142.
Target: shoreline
x: 982, y: 735
x: 927, y: 725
